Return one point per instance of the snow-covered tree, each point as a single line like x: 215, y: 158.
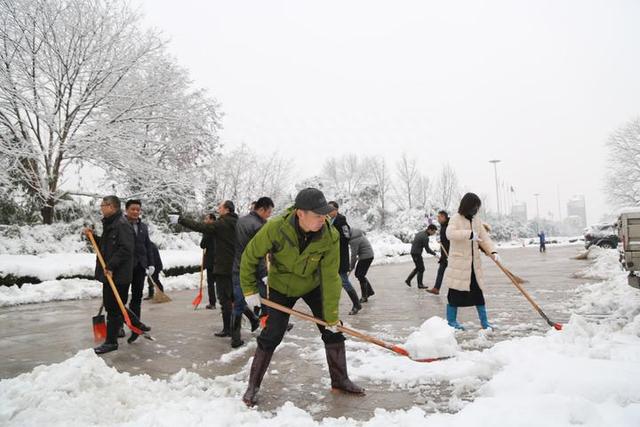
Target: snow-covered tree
x: 623, y: 176
x: 242, y: 175
x: 80, y: 82
x: 446, y: 190
x: 407, y: 180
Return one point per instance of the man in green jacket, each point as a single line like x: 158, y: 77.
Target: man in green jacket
x: 304, y: 250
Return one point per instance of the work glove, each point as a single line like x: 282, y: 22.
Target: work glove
x: 334, y: 327
x: 150, y: 270
x: 173, y: 219
x: 253, y: 300
x: 495, y: 256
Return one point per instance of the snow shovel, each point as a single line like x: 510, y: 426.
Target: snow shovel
x: 158, y: 296
x: 396, y: 349
x: 517, y: 282
x: 124, y: 311
x: 198, y: 299
x: 99, y: 326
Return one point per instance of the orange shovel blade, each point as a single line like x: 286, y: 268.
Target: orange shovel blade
x: 197, y: 300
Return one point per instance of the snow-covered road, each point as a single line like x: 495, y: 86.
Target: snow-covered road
x: 522, y: 374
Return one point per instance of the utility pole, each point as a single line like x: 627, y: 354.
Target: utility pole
x: 495, y: 172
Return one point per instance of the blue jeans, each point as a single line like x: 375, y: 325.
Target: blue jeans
x: 346, y: 284
x: 239, y: 303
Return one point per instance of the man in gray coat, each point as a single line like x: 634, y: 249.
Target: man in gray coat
x: 246, y: 228
x: 420, y: 242
x: 361, y: 259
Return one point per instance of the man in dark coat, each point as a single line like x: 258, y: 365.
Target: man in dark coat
x: 143, y: 263
x: 224, y: 231
x: 443, y: 220
x: 246, y: 228
x: 117, y: 245
x: 339, y: 221
x: 420, y: 242
x: 208, y: 243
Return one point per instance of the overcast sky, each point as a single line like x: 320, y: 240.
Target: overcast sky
x: 536, y: 84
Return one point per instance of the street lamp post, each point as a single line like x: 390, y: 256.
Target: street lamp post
x: 495, y: 172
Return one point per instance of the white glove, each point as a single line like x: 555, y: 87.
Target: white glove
x: 495, y: 257
x: 150, y: 270
x: 173, y: 219
x: 475, y: 238
x: 253, y: 300
x: 334, y: 328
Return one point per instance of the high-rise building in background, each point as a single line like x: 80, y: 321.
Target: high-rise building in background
x: 577, y: 211
x: 519, y: 211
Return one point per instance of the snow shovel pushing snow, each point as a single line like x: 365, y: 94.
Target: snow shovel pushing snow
x: 198, y: 299
x: 124, y: 311
x: 99, y: 326
x: 517, y: 282
x: 396, y: 349
x: 158, y: 296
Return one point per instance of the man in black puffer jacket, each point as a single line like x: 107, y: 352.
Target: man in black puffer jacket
x: 224, y: 230
x: 117, y: 245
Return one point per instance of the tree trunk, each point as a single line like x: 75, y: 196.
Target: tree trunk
x: 47, y: 212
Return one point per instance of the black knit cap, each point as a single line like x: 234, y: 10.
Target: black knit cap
x: 312, y: 199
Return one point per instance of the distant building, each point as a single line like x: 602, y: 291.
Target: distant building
x: 519, y: 211
x: 577, y: 211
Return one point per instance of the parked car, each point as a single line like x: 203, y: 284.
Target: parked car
x: 603, y: 235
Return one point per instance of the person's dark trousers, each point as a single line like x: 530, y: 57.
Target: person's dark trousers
x: 346, y: 285
x: 156, y: 278
x: 277, y: 321
x: 418, y: 270
x: 211, y: 286
x: 441, y: 268
x: 114, y: 315
x: 362, y: 268
x: 137, y: 288
x: 543, y: 248
x: 224, y: 287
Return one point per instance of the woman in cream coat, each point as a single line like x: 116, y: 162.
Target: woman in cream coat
x: 464, y: 275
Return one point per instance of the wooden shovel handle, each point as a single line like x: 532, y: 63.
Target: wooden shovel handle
x: 340, y: 328
x: 524, y: 292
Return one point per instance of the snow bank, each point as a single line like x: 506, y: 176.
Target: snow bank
x: 70, y: 289
x: 67, y: 238
x: 435, y: 338
x: 47, y: 267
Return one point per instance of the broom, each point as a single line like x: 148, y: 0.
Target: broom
x: 158, y: 296
x: 99, y: 326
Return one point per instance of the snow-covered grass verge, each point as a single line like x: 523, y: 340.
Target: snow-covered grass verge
x: 588, y: 374
x: 47, y: 267
x: 70, y: 289
x: 67, y: 238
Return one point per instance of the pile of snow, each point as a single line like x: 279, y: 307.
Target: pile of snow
x: 435, y: 338
x: 71, y: 289
x: 606, y: 262
x: 586, y: 374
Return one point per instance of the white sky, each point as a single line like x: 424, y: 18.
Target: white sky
x: 537, y: 84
